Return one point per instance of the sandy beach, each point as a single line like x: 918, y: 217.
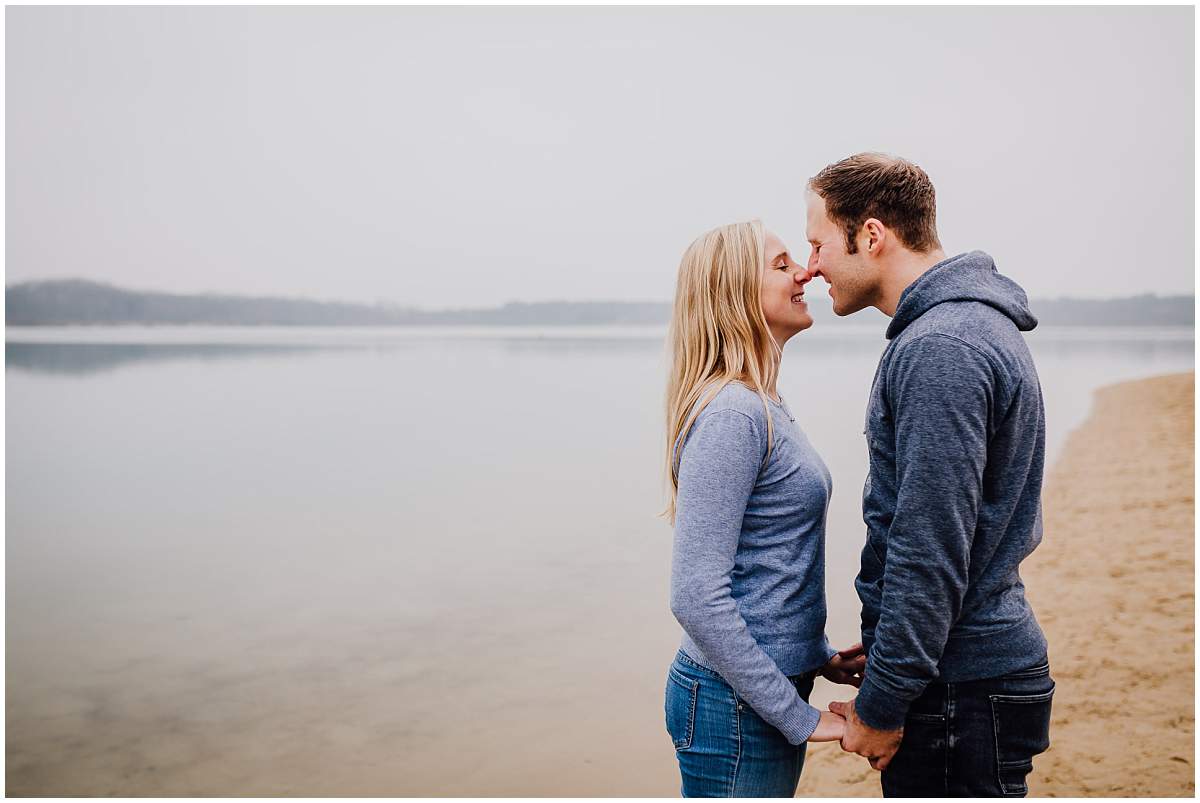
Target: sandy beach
x: 1113, y: 586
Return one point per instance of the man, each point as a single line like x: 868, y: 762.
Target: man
x: 956, y: 695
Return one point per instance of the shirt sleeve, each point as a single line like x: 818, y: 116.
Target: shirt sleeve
x: 940, y: 391
x: 719, y: 465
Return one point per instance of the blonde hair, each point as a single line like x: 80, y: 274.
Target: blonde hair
x: 718, y: 333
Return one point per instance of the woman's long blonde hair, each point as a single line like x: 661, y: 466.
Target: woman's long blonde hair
x: 718, y: 332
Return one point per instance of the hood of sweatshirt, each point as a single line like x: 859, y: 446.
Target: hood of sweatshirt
x: 967, y: 277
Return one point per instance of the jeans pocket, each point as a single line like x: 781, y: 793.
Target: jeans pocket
x: 681, y: 708
x: 1022, y: 728
x: 920, y: 766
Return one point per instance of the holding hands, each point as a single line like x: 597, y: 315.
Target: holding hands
x: 876, y: 746
x: 842, y: 724
x: 830, y: 728
x: 846, y: 667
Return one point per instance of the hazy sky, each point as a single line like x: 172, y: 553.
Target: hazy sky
x: 447, y: 157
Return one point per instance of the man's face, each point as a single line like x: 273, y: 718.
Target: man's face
x: 852, y: 283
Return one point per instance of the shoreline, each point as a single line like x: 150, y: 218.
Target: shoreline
x: 1113, y: 586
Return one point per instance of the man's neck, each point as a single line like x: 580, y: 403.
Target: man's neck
x: 906, y: 269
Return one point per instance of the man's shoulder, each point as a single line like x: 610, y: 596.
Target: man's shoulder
x: 973, y: 328
x: 965, y: 338
x: 972, y: 322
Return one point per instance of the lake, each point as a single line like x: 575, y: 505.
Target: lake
x: 270, y: 561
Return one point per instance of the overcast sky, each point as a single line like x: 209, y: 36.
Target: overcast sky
x: 457, y: 157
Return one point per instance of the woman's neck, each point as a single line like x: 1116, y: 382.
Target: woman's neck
x: 769, y: 387
x: 772, y: 391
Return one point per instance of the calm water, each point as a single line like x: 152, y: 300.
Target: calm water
x: 363, y: 561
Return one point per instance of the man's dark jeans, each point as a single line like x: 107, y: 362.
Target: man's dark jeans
x: 973, y: 739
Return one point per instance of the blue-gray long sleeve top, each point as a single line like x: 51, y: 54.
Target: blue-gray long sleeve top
x: 748, y: 564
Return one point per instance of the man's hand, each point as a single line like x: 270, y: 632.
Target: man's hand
x: 846, y: 667
x: 876, y: 746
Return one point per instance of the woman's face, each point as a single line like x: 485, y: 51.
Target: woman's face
x: 783, y: 292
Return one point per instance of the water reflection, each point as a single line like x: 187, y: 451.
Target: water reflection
x: 96, y: 358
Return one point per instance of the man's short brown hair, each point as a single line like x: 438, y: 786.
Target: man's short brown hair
x: 874, y: 185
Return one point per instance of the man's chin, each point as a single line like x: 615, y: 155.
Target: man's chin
x: 843, y: 309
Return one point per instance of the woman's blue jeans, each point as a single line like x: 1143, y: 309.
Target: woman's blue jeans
x: 724, y: 748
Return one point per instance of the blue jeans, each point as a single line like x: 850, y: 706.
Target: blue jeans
x: 724, y: 748
x: 973, y: 739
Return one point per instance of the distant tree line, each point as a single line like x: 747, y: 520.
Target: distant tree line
x: 1143, y: 310
x: 79, y: 301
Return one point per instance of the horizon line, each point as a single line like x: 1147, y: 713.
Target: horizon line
x: 379, y: 303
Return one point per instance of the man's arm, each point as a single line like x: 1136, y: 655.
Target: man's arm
x: 941, y: 391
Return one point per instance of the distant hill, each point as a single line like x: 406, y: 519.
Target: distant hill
x: 79, y: 301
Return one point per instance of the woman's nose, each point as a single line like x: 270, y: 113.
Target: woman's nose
x: 802, y: 276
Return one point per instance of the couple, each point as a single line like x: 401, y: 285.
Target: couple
x: 954, y: 684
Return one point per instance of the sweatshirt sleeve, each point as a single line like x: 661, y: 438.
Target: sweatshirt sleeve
x: 720, y: 463
x: 939, y: 390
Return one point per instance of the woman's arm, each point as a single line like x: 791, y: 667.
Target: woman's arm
x: 720, y: 463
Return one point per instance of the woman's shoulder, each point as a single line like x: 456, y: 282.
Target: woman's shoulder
x: 733, y: 423
x: 738, y: 398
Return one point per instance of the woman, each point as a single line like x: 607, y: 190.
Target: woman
x: 748, y: 500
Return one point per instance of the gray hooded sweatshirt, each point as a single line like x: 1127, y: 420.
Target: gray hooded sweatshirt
x: 956, y: 434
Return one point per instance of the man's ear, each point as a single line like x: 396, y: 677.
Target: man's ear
x: 876, y: 235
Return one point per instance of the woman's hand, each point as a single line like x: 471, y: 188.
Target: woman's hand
x: 829, y: 729
x: 846, y: 667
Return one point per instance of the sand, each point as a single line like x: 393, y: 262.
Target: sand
x: 1113, y: 586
